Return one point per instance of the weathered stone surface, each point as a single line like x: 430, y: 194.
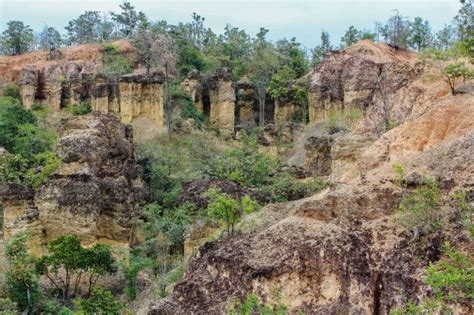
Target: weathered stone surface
x: 247, y: 105
x: 142, y: 95
x: 366, y: 76
x: 192, y: 85
x: 222, y: 99
x: 97, y: 184
x: 28, y: 85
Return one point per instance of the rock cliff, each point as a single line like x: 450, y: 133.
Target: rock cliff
x: 344, y: 250
x: 93, y: 192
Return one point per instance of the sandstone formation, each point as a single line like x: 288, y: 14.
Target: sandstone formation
x: 246, y: 105
x: 93, y: 192
x: 369, y: 77
x: 344, y: 250
x: 222, y: 100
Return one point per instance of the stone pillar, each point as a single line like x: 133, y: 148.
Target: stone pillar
x: 100, y: 95
x: 142, y: 95
x: 247, y: 105
x: 53, y: 84
x: 222, y: 99
x: 21, y: 215
x: 192, y: 85
x: 28, y: 85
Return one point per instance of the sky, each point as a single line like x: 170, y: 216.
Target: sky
x: 303, y: 19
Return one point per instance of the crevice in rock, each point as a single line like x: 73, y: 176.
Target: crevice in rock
x: 378, y: 288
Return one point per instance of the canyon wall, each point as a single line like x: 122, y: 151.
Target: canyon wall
x: 92, y: 194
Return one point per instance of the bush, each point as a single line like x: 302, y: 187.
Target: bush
x: 114, y: 64
x: 466, y: 210
x: 11, y: 90
x: 100, y: 301
x: 285, y: 187
x: 223, y: 209
x: 21, y: 277
x: 80, y: 109
x: 421, y: 206
x: 68, y: 261
x: 253, y: 305
x: 452, y: 278
x: 12, y: 115
x: 245, y: 164
x: 8, y: 307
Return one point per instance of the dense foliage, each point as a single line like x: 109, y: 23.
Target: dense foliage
x: 30, y: 158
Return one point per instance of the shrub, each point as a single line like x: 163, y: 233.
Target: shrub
x: 8, y: 307
x: 12, y: 115
x: 114, y: 64
x: 253, y: 305
x: 224, y: 209
x: 11, y: 90
x: 100, y: 301
x: 452, y: 278
x: 80, y: 109
x: 68, y: 261
x: 285, y: 187
x: 245, y: 164
x: 421, y: 206
x: 21, y: 277
x: 466, y: 210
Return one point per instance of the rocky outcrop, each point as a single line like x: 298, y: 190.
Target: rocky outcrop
x: 344, y: 250
x: 92, y: 194
x: 247, y: 105
x: 222, y: 100
x: 98, y: 182
x: 192, y: 85
x: 142, y: 95
x: 366, y: 76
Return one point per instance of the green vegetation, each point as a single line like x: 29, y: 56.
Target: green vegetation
x: 80, y: 109
x: 100, y: 302
x: 253, y: 305
x: 68, y: 261
x: 22, y: 281
x: 452, y: 282
x: 421, y: 207
x: 455, y: 71
x: 466, y: 210
x: 115, y: 65
x: 63, y: 267
x: 30, y: 158
x: 227, y: 210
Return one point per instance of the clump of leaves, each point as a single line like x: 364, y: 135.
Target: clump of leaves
x: 100, y: 301
x: 421, y: 206
x: 80, y: 109
x: 466, y: 210
x: 452, y: 278
x: 253, y: 305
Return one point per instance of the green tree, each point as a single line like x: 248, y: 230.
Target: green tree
x: 292, y: 54
x: 263, y: 64
x: 465, y: 25
x: 83, y: 30
x: 223, y: 208
x: 114, y: 64
x: 351, y: 37
x: 445, y: 38
x: 17, y: 38
x: 100, y: 301
x: 21, y: 278
x: 50, y: 40
x: 397, y: 30
x: 320, y: 51
x: 127, y: 19
x: 455, y: 71
x: 420, y: 34
x: 68, y: 261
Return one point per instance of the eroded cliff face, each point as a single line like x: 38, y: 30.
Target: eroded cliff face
x: 92, y: 194
x: 345, y: 250
x: 374, y: 78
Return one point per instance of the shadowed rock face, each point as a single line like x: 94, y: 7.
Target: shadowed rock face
x: 97, y: 184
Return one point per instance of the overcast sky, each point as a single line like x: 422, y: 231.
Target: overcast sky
x: 303, y: 19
